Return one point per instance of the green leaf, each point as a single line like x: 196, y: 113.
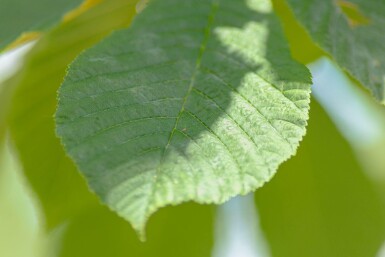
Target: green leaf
x: 18, y: 16
x: 322, y: 203
x: 352, y: 32
x: 52, y: 175
x: 199, y: 100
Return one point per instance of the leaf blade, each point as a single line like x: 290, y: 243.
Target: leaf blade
x: 172, y: 118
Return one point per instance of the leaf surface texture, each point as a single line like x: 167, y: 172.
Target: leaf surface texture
x: 198, y: 100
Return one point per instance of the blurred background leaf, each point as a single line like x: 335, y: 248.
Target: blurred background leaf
x: 20, y: 233
x: 18, y: 16
x: 60, y: 188
x: 352, y: 32
x: 302, y: 46
x: 321, y: 203
x: 185, y: 230
x: 359, y: 119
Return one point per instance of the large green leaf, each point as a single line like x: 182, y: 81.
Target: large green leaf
x: 321, y: 203
x: 352, y: 32
x: 52, y: 175
x: 199, y: 100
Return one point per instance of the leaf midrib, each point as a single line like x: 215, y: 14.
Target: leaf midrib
x: 212, y: 13
x: 214, y: 7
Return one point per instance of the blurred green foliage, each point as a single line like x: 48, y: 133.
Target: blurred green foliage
x: 302, y: 47
x: 185, y: 230
x: 60, y: 188
x: 20, y: 233
x: 321, y: 203
x: 19, y: 16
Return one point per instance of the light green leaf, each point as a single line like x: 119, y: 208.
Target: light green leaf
x: 199, y: 100
x: 353, y: 33
x: 52, y: 175
x: 321, y: 203
x: 19, y: 223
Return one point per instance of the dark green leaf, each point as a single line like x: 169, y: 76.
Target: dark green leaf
x: 353, y: 33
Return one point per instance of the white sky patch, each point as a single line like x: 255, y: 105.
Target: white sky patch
x: 382, y: 251
x: 357, y: 119
x: 11, y: 61
x: 237, y: 232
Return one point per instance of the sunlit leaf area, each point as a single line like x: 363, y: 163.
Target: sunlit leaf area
x: 192, y: 128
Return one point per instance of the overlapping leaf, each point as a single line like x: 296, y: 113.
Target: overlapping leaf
x: 353, y: 33
x: 199, y: 100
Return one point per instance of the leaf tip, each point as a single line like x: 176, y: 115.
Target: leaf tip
x: 140, y: 229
